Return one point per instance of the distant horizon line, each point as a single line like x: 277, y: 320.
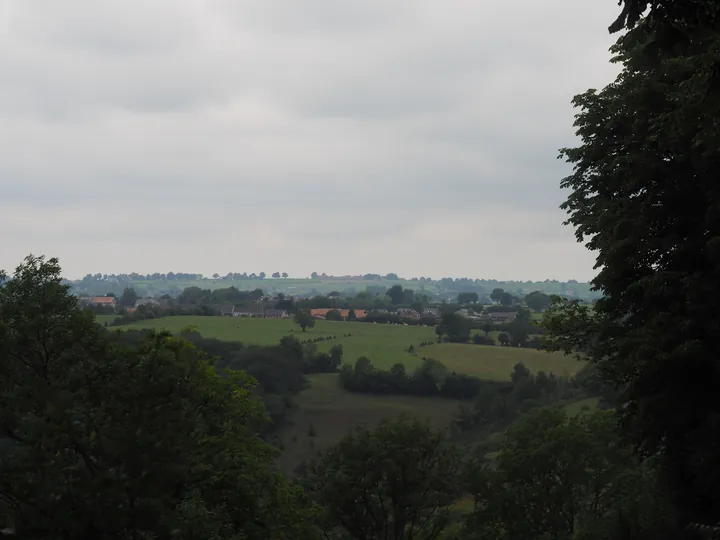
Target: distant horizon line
x: 198, y: 276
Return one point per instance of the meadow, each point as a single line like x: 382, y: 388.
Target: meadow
x: 496, y: 363
x: 383, y: 344
x: 331, y: 411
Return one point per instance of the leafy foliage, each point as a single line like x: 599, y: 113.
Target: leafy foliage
x: 106, y: 440
x: 304, y: 320
x: 561, y: 479
x: 396, y: 482
x: 644, y: 194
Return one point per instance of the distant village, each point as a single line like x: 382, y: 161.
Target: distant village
x: 263, y: 309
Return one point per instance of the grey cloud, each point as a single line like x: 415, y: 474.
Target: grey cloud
x: 322, y: 132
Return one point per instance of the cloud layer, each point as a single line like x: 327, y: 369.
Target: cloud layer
x: 337, y: 136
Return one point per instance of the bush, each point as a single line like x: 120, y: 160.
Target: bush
x: 479, y: 339
x: 529, y: 404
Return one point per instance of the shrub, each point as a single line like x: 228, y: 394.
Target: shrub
x: 479, y: 339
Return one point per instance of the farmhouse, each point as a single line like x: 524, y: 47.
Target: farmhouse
x: 407, y: 313
x: 108, y: 301
x: 232, y: 311
x: 502, y: 317
x: 275, y: 314
x: 147, y: 302
x: 344, y: 313
x: 227, y: 309
x: 468, y: 314
x: 244, y: 312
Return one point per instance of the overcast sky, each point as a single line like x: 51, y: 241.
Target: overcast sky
x: 339, y: 136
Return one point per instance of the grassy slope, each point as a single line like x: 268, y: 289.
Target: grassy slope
x: 494, y: 362
x: 384, y: 344
x: 332, y: 411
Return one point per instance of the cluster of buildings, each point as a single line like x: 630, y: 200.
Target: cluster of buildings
x: 230, y: 310
x: 496, y: 317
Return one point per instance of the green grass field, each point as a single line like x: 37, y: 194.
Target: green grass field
x: 384, y: 344
x: 495, y: 362
x: 102, y: 319
x: 332, y: 411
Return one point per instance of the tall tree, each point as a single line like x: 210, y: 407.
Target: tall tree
x: 467, y: 298
x: 304, y: 320
x: 456, y: 327
x: 644, y: 195
x: 396, y: 294
x: 538, y: 301
x: 394, y: 483
x: 108, y: 441
x: 496, y: 294
x: 128, y: 298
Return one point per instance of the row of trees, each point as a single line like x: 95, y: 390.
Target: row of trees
x: 430, y: 379
x: 494, y: 403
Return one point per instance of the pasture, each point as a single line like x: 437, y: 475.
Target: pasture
x: 332, y: 411
x: 495, y: 362
x: 102, y: 319
x: 384, y: 344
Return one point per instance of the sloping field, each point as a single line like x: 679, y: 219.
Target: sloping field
x: 384, y: 344
x: 332, y: 411
x: 495, y: 362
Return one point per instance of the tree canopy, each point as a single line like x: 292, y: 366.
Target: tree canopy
x: 398, y: 481
x: 644, y: 195
x: 105, y: 440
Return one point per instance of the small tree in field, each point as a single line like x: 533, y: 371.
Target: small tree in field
x: 304, y: 320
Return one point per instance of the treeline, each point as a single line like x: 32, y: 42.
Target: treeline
x: 430, y: 379
x: 148, y: 312
x: 496, y: 406
x: 494, y: 403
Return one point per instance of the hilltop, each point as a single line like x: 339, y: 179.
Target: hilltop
x: 173, y: 284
